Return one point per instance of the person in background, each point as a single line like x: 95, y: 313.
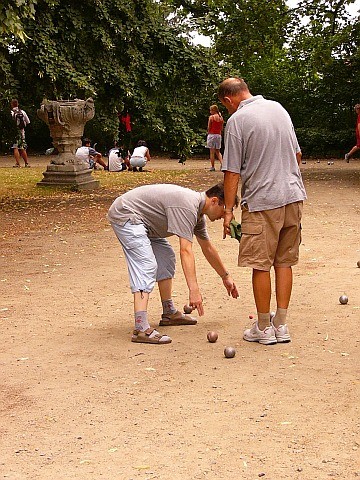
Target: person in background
x: 89, y: 155
x: 140, y: 156
x: 357, y: 131
x: 125, y: 128
x: 118, y: 159
x: 21, y: 121
x: 213, y: 140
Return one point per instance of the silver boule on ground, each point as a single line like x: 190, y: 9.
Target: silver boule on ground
x: 343, y: 299
x: 229, y: 352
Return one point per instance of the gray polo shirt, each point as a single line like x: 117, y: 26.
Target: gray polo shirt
x: 164, y: 209
x: 261, y: 145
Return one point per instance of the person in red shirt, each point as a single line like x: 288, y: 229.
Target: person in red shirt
x: 213, y: 141
x: 357, y: 146
x: 125, y: 129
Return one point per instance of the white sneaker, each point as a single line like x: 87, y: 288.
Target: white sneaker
x: 282, y: 333
x: 347, y: 158
x: 266, y: 336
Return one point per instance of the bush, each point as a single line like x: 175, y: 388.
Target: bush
x: 317, y: 142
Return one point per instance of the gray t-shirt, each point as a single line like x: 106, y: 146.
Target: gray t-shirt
x: 261, y: 145
x: 164, y: 209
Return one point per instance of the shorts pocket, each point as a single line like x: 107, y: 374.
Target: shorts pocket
x: 252, y: 244
x: 133, y: 236
x: 251, y: 229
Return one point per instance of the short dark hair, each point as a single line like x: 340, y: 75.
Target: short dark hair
x: 14, y: 103
x: 85, y: 141
x: 232, y: 87
x: 218, y: 191
x: 141, y: 143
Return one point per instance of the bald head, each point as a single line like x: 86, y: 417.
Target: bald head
x: 232, y: 87
x: 231, y: 92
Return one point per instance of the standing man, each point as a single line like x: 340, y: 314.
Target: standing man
x: 142, y: 218
x: 21, y: 120
x: 261, y: 148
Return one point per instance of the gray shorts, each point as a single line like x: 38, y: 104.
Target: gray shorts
x: 213, y: 140
x: 149, y: 260
x: 138, y: 161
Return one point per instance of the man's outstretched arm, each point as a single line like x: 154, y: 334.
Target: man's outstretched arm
x: 213, y: 257
x: 188, y: 266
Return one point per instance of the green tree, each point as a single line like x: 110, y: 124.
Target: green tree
x: 241, y: 31
x: 123, y: 54
x: 326, y: 48
x: 137, y: 55
x: 307, y: 58
x: 13, y: 15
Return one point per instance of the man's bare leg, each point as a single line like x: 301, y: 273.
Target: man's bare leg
x: 24, y: 156
x: 17, y: 156
x: 261, y: 282
x: 283, y: 288
x: 165, y: 289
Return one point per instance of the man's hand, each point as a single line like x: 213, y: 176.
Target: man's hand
x: 195, y: 301
x: 188, y: 264
x: 228, y: 216
x: 230, y: 287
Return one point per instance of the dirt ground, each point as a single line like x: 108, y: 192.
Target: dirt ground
x: 78, y: 400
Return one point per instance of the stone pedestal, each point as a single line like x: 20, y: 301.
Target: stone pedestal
x: 78, y: 177
x: 66, y: 120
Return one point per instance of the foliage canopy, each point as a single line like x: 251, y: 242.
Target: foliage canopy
x: 138, y: 56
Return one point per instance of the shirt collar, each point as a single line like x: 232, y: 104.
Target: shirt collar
x: 250, y: 100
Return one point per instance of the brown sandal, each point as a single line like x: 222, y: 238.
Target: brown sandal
x: 153, y: 336
x: 177, y: 318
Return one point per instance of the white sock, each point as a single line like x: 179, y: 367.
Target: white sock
x: 263, y: 320
x: 164, y: 338
x: 280, y: 317
x: 141, y: 321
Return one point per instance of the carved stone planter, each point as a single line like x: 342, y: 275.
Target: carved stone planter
x: 66, y: 120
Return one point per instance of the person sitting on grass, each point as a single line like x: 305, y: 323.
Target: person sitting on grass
x: 118, y: 158
x: 89, y: 155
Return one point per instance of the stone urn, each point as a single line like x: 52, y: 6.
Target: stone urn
x: 66, y: 120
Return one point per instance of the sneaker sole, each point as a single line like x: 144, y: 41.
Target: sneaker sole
x: 174, y: 323
x: 263, y: 342
x: 283, y: 339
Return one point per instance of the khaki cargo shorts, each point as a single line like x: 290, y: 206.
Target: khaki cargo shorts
x: 270, y: 237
